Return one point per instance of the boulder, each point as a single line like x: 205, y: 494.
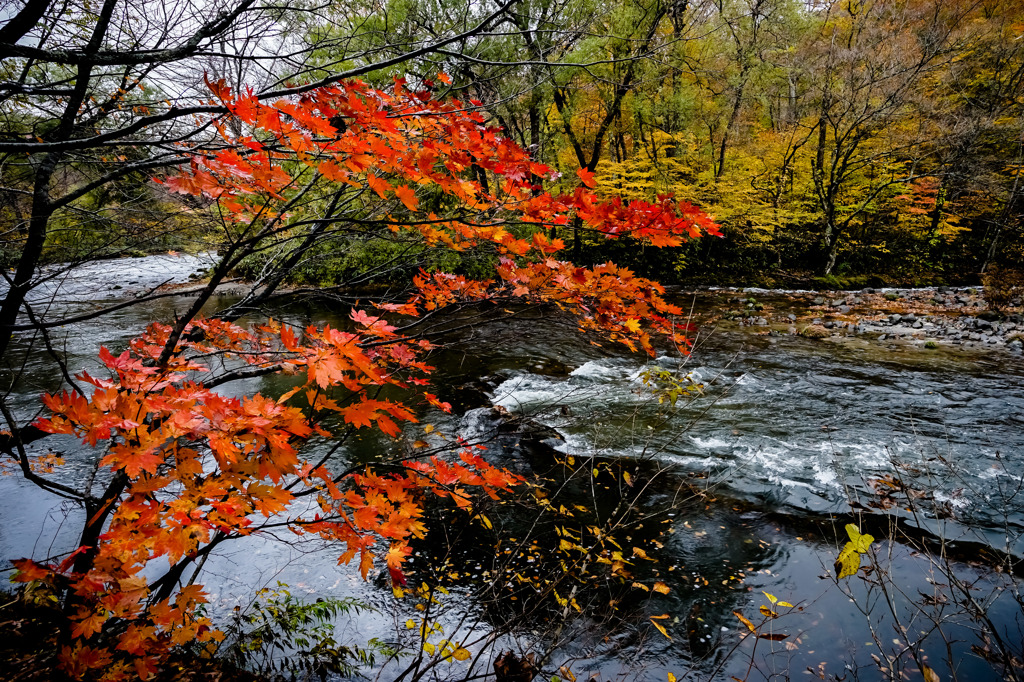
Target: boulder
x: 814, y: 331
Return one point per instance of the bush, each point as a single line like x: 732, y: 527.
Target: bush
x: 279, y: 635
x: 1003, y: 286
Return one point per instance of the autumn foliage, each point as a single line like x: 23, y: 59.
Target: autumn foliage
x: 189, y: 468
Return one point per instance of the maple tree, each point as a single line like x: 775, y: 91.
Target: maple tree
x: 190, y: 468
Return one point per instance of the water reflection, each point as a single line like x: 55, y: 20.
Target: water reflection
x: 746, y: 488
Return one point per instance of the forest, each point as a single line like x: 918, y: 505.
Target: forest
x: 511, y: 340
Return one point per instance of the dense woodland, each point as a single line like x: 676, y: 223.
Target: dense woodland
x: 414, y: 163
x: 842, y: 139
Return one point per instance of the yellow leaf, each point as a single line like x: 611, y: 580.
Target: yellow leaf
x: 848, y: 562
x: 745, y: 621
x: 642, y: 587
x: 785, y: 604
x: 767, y: 612
x: 929, y: 674
x: 460, y: 654
x: 771, y: 597
x: 632, y: 325
x: 861, y: 543
x: 849, y: 559
x: 486, y: 521
x: 671, y: 677
x: 421, y: 444
x: 627, y: 478
x: 410, y: 624
x: 660, y: 627
x: 429, y: 648
x: 662, y: 587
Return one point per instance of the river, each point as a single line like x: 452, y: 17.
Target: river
x: 746, y: 484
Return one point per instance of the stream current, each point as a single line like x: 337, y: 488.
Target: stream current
x: 787, y: 438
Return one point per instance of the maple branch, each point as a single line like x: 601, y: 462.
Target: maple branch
x: 114, y: 135
x: 277, y: 276
x: 235, y: 253
x: 54, y: 355
x: 114, y: 175
x: 15, y: 443
x: 163, y: 587
x: 144, y: 298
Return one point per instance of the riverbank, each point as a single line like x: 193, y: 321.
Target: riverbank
x: 929, y: 318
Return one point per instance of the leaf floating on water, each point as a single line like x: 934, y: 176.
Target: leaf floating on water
x: 929, y: 674
x: 661, y: 588
x: 745, y: 621
x: 661, y: 628
x: 775, y: 637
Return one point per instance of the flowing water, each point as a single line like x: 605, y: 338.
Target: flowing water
x: 782, y: 442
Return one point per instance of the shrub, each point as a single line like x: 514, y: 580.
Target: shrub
x: 1002, y: 285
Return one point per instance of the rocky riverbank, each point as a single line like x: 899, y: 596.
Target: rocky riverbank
x: 931, y: 318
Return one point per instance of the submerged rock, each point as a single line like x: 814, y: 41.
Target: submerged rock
x: 814, y: 331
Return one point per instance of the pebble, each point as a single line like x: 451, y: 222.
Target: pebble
x: 964, y: 320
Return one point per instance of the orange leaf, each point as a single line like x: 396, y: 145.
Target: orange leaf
x: 587, y: 177
x: 28, y: 570
x: 88, y: 626
x: 745, y: 621
x: 380, y: 186
x: 408, y: 196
